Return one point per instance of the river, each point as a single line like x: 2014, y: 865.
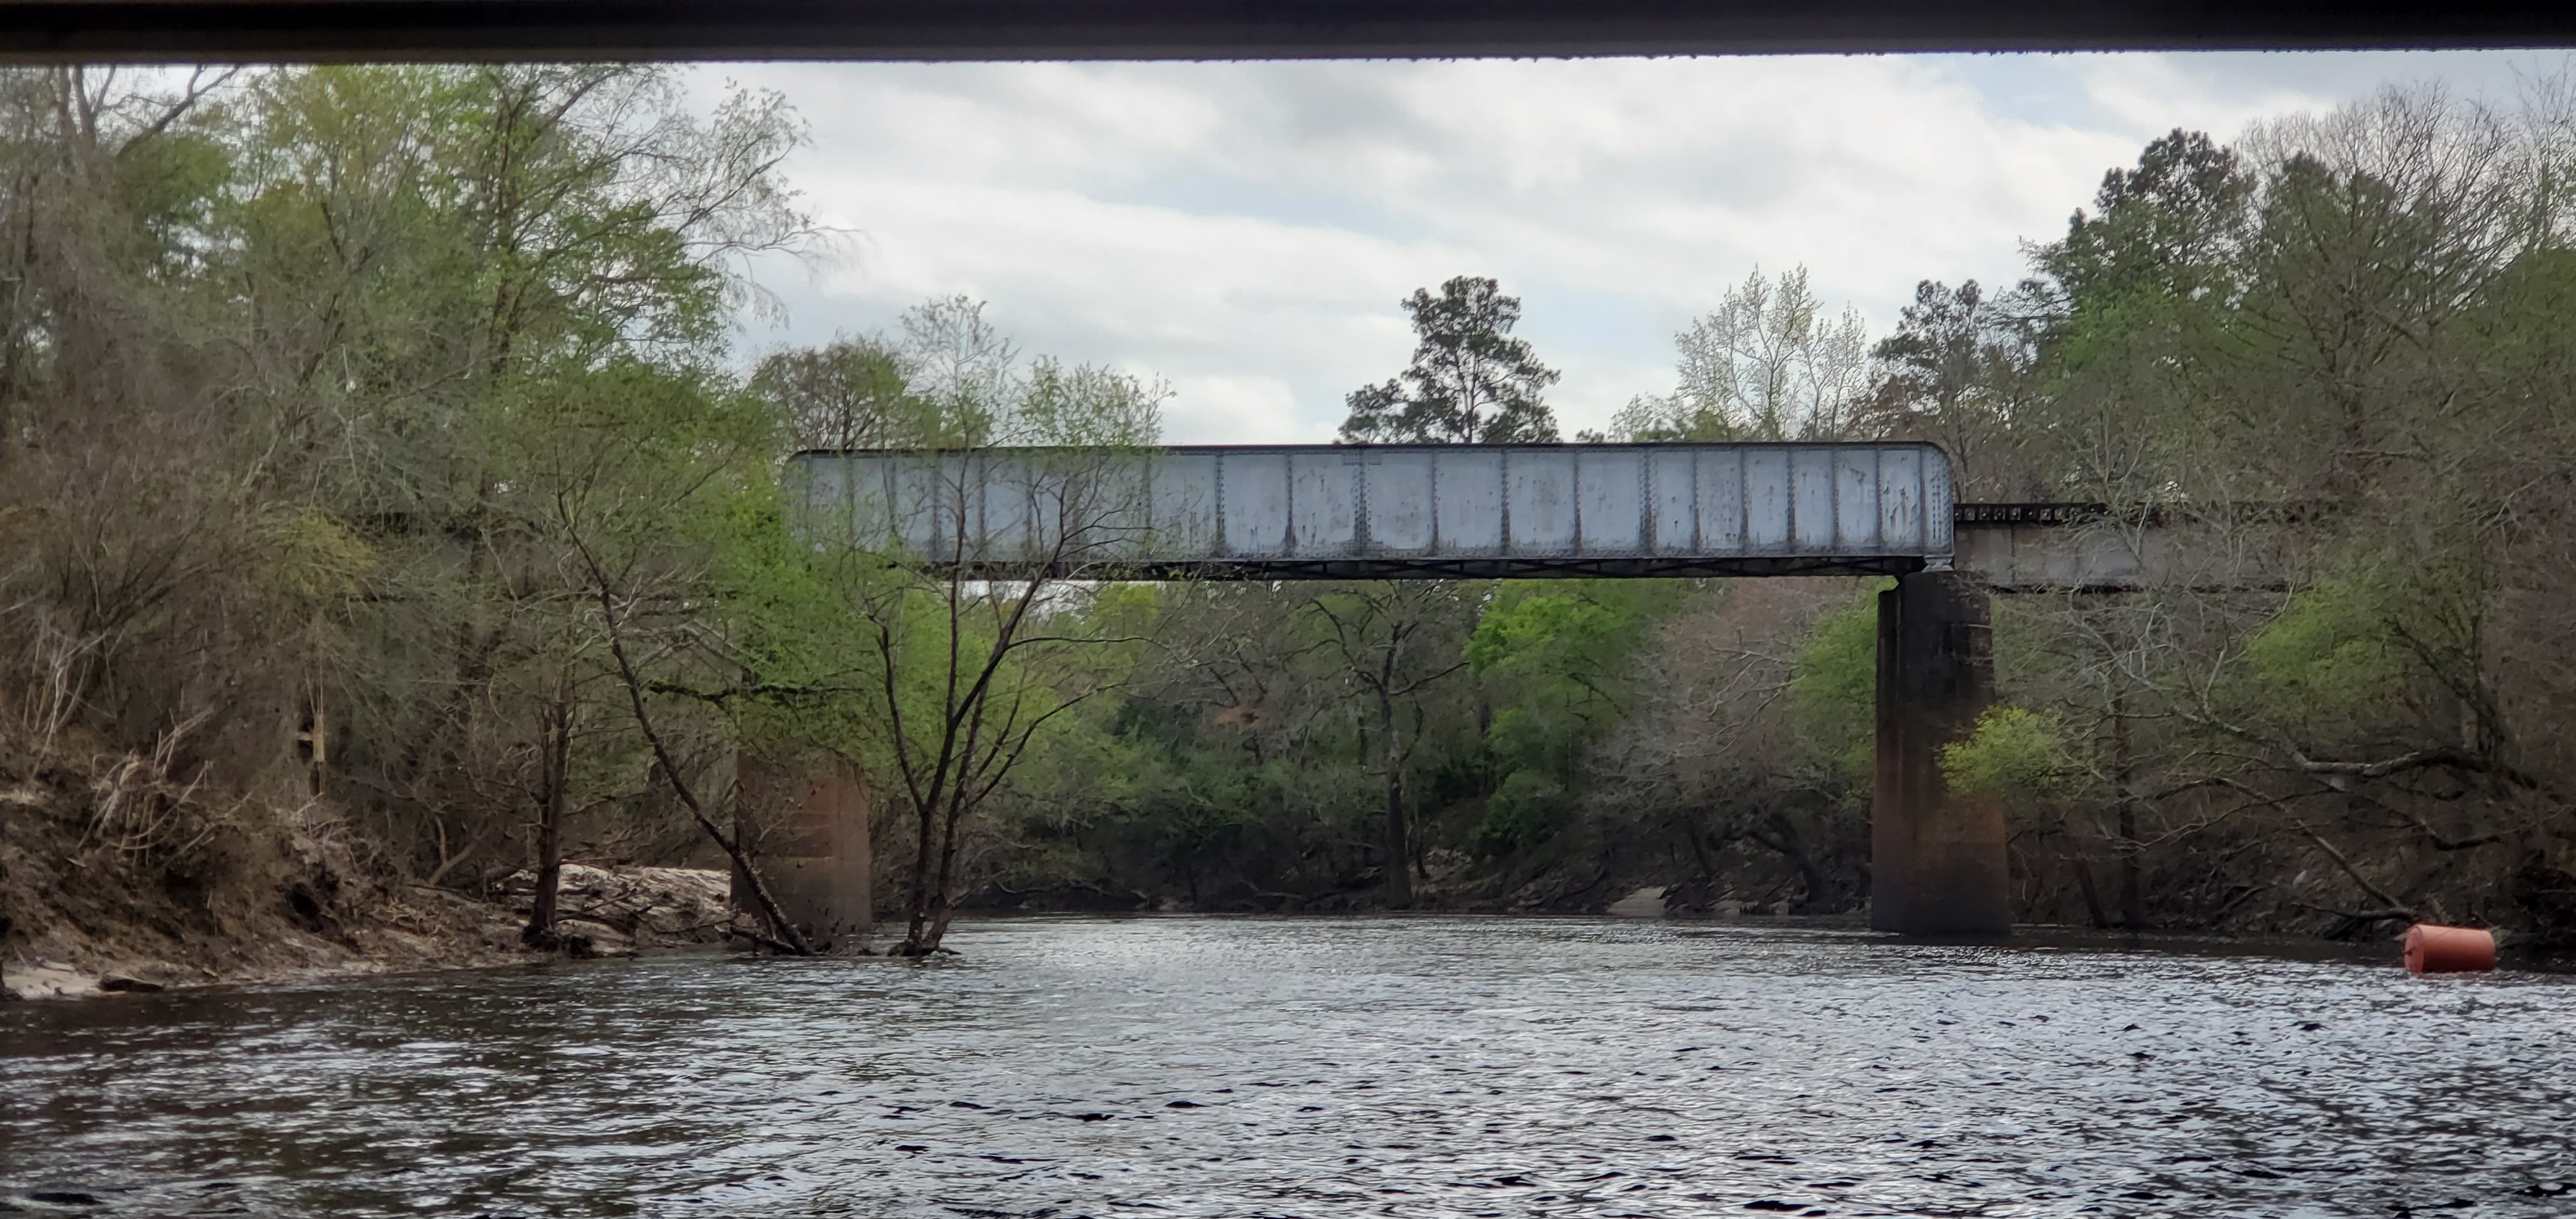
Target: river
x: 1317, y: 1067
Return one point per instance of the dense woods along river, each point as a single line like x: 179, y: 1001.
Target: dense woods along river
x: 1253, y: 1067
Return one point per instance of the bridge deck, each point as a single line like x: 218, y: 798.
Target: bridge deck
x: 1423, y: 511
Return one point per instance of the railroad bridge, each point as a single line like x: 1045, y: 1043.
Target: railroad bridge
x: 1808, y: 509
x: 1343, y: 512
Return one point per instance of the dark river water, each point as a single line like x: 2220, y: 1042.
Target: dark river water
x: 1239, y: 1067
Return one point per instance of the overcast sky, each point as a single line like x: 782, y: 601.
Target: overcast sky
x: 1245, y: 231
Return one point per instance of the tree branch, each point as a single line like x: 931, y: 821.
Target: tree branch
x: 2345, y: 863
x: 793, y: 940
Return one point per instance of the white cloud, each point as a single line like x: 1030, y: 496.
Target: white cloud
x: 1245, y: 230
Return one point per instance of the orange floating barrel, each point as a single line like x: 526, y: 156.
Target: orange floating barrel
x: 2433, y: 949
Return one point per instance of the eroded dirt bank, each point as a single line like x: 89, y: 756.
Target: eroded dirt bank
x: 115, y: 891
x: 610, y: 912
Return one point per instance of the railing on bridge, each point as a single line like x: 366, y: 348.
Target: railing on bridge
x: 1368, y: 511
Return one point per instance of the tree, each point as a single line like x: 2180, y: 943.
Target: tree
x: 2302, y: 344
x: 652, y: 486
x: 1470, y: 381
x: 1554, y: 661
x: 2167, y: 227
x: 1746, y: 744
x: 1559, y: 653
x: 974, y: 655
x: 846, y: 394
x: 1958, y: 365
x: 476, y: 252
x: 1391, y: 640
x: 305, y: 363
x: 1765, y: 365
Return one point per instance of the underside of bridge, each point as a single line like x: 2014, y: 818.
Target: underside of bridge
x: 1199, y: 29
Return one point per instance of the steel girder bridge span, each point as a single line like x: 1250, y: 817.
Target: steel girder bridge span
x: 1510, y: 511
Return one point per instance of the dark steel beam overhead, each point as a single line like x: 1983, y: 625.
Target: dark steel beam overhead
x: 220, y: 30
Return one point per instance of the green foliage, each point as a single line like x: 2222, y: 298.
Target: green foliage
x: 492, y: 221
x: 1525, y: 811
x: 2014, y: 751
x: 419, y: 374
x: 2330, y: 648
x: 2165, y: 229
x: 847, y: 394
x: 1835, y: 689
x: 1547, y: 629
x: 1470, y: 381
x: 1557, y: 654
x: 2390, y: 639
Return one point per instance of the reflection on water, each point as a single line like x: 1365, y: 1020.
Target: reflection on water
x: 1225, y: 1067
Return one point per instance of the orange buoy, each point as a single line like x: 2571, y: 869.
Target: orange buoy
x: 2433, y: 949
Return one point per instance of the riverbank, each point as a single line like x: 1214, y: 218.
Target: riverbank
x: 608, y: 912
x: 116, y: 879
x: 107, y: 886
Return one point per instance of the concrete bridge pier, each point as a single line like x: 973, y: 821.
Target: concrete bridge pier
x: 815, y: 857
x: 1937, y: 862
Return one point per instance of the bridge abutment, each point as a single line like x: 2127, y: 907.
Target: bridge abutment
x: 1937, y: 864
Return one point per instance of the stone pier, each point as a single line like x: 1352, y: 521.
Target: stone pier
x: 1937, y: 862
x: 815, y: 853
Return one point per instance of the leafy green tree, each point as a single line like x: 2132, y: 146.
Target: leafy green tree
x: 1470, y: 382
x: 1956, y: 371
x: 647, y: 483
x: 384, y: 324
x: 1835, y: 687
x: 847, y: 394
x: 1555, y: 659
x: 2169, y: 227
x: 470, y: 253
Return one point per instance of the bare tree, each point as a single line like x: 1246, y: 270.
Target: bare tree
x: 1396, y: 639
x: 975, y: 623
x: 1766, y: 364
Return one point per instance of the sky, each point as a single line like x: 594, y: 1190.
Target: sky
x: 1244, y: 232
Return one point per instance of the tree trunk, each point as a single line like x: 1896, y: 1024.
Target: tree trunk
x: 943, y: 891
x: 555, y: 744
x: 924, y: 847
x: 788, y: 939
x: 2133, y: 900
x: 2092, y: 896
x: 1792, y: 846
x: 1699, y: 852
x: 1399, y: 877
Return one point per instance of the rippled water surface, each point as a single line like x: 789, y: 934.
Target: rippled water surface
x: 1414, y: 1066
